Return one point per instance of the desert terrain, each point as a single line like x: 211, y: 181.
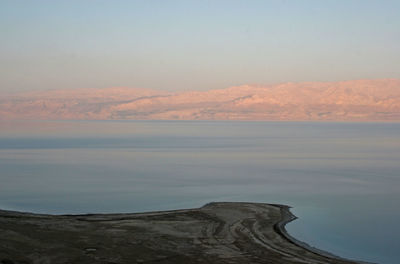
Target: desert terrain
x: 359, y: 100
x: 214, y: 233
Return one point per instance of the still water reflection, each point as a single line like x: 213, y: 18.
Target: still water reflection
x: 342, y: 179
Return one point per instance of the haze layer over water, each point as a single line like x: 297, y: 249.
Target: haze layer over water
x: 341, y: 178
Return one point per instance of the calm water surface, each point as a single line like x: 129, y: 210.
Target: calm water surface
x: 342, y: 179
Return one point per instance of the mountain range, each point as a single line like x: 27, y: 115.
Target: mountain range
x: 358, y: 100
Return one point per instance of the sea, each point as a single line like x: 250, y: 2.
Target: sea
x: 342, y: 180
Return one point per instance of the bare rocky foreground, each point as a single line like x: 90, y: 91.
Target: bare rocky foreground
x: 215, y: 233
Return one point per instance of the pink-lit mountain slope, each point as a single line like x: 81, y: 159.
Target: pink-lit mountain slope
x: 350, y: 100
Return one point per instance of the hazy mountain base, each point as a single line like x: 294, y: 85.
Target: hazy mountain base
x: 364, y: 100
x: 215, y: 233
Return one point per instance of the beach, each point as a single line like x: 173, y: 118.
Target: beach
x: 215, y: 233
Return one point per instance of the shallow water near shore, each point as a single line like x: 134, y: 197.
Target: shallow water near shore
x: 342, y: 179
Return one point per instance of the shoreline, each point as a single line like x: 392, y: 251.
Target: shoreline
x: 214, y: 233
x: 289, y: 217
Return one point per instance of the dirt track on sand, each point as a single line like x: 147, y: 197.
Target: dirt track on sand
x: 215, y: 233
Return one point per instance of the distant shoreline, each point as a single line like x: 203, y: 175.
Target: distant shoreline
x: 355, y: 100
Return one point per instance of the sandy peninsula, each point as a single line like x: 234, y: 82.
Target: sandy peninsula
x: 215, y: 233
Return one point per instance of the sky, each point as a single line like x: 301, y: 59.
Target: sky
x: 194, y: 45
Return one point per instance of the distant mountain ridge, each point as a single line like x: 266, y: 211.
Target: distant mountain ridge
x: 359, y: 100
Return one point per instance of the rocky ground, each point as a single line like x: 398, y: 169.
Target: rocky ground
x: 214, y: 233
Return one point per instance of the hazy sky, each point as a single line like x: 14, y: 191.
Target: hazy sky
x: 178, y: 45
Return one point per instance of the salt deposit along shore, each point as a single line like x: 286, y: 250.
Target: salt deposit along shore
x: 215, y: 233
